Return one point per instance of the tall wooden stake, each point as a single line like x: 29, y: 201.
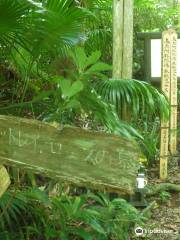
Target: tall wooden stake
x: 169, y: 87
x: 122, y: 39
x: 123, y: 44
x: 4, y: 176
x: 166, y: 76
x: 118, y: 8
x: 173, y: 96
x: 4, y: 180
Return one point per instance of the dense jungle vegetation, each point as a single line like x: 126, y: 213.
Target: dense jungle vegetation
x: 56, y: 67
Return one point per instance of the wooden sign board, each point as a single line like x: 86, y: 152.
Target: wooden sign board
x: 165, y: 85
x: 169, y: 87
x: 4, y: 180
x: 72, y: 155
x: 173, y: 97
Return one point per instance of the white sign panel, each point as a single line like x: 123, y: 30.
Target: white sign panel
x: 156, y: 58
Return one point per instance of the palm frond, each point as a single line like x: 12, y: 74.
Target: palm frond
x: 15, y: 205
x: 37, y: 27
x: 57, y: 26
x: 105, y: 114
x: 99, y: 26
x: 13, y: 22
x: 137, y: 96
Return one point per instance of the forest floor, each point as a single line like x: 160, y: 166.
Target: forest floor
x: 166, y: 215
x: 164, y: 222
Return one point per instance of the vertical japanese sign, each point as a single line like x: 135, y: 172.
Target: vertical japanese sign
x: 165, y: 85
x: 173, y: 95
x: 4, y: 180
x: 169, y: 87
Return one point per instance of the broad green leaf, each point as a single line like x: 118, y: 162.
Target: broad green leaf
x: 65, y: 85
x: 73, y: 103
x: 82, y: 233
x: 57, y: 79
x: 80, y: 58
x: 42, y: 95
x: 76, y: 205
x: 138, y: 96
x: 76, y: 87
x: 100, y: 66
x: 95, y: 56
x: 97, y: 227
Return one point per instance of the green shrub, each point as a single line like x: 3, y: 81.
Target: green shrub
x: 31, y: 214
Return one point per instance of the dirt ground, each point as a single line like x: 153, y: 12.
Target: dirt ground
x: 164, y: 223
x: 166, y: 215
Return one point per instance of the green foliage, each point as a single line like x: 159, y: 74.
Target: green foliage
x: 88, y: 67
x: 43, y: 77
x: 105, y: 114
x: 119, y: 217
x: 151, y: 138
x: 33, y: 29
x: 37, y: 27
x: 152, y: 16
x: 99, y: 27
x: 13, y: 19
x: 18, y: 210
x: 75, y: 94
x: 65, y: 217
x: 164, y: 197
x: 136, y: 96
x: 156, y: 15
x: 61, y: 26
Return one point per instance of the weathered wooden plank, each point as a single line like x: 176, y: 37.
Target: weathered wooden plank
x: 73, y: 155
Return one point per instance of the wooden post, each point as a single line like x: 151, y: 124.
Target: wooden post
x: 169, y: 87
x: 122, y: 39
x: 173, y: 96
x: 123, y: 44
x: 4, y: 176
x: 118, y: 15
x: 4, y: 180
x: 165, y: 85
x: 127, y: 64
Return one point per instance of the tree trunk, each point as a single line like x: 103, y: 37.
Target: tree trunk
x: 122, y: 39
x: 123, y: 44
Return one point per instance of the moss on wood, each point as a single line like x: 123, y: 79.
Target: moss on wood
x: 73, y: 155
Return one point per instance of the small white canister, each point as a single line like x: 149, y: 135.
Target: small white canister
x: 141, y: 181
